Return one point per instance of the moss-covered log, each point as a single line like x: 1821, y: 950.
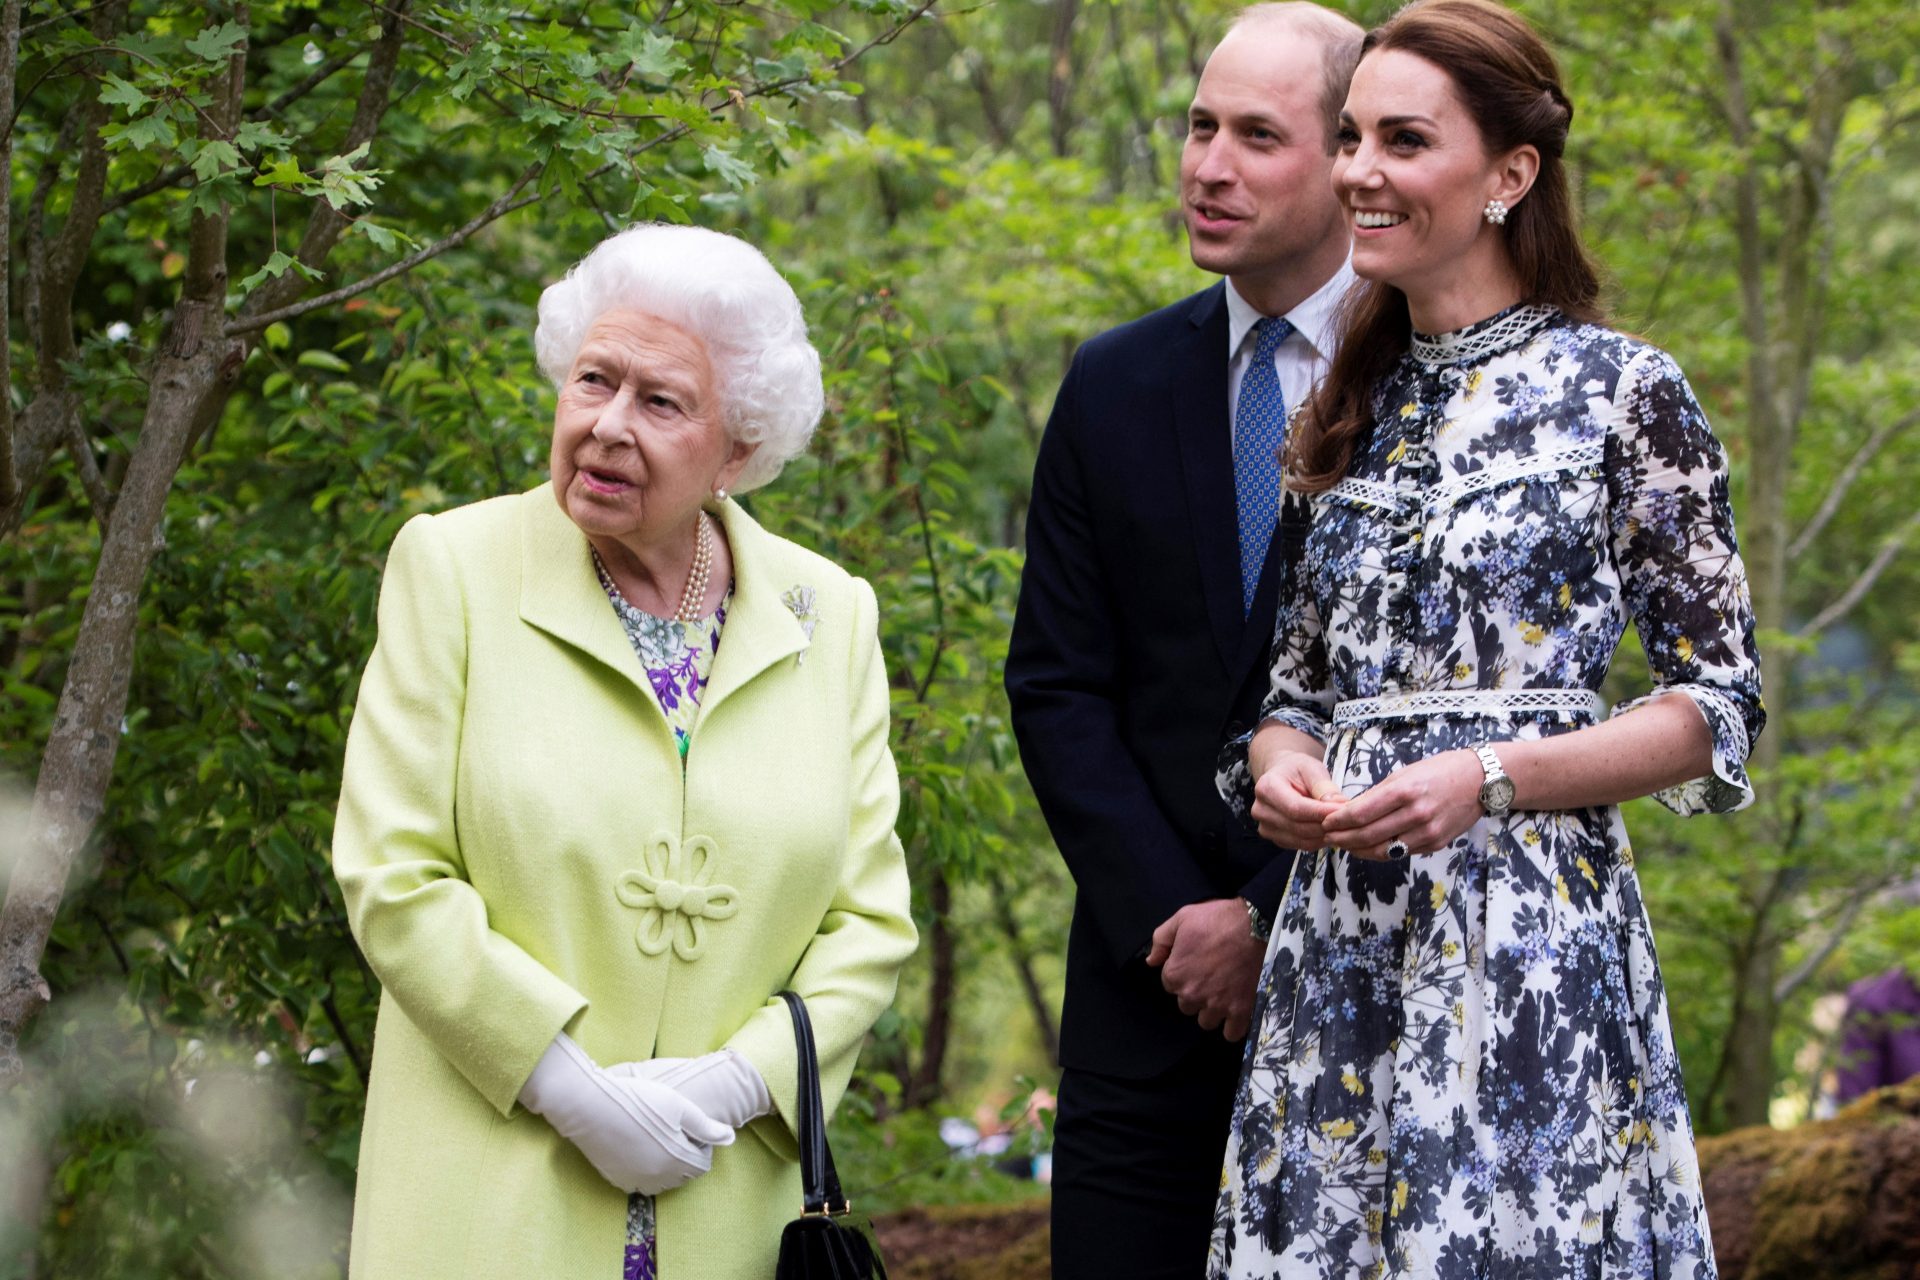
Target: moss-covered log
x: 1835, y: 1199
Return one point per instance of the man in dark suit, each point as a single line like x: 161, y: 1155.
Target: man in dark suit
x: 1145, y: 614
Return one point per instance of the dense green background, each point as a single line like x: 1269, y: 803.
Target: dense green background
x: 957, y: 208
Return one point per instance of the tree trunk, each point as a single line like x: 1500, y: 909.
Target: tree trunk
x: 1022, y: 957
x: 924, y: 1087
x: 1750, y: 1071
x: 191, y: 378
x: 1060, y: 74
x: 9, y: 64
x: 1748, y: 1051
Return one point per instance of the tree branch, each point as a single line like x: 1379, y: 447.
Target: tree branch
x: 507, y: 203
x: 326, y: 223
x: 1864, y: 583
x: 33, y: 248
x: 257, y: 315
x: 9, y: 67
x: 167, y: 178
x: 90, y: 478
x: 67, y: 254
x: 1856, y: 903
x: 1843, y: 483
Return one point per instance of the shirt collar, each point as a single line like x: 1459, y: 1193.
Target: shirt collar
x: 1314, y: 319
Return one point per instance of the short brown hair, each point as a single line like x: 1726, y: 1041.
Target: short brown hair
x: 1339, y: 37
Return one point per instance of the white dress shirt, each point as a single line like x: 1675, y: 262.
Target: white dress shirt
x: 1302, y: 358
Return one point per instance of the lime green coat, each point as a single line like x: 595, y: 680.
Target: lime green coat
x: 517, y: 841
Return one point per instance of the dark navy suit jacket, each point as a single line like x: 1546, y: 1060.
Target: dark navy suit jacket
x: 1131, y: 663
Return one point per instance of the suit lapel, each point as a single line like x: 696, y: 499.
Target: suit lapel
x: 1199, y: 387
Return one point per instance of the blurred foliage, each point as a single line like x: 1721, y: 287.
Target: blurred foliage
x: 996, y: 190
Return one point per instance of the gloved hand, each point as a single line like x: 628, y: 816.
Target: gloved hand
x: 641, y: 1135
x: 722, y: 1084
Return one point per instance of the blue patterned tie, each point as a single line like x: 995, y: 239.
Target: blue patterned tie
x: 1259, y: 433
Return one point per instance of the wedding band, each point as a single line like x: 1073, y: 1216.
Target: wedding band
x: 1396, y: 849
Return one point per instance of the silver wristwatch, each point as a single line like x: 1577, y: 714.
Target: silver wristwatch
x: 1496, y: 793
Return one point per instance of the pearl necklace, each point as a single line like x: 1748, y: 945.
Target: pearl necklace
x: 692, y: 596
x: 695, y: 593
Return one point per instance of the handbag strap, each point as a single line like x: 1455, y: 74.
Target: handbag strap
x: 819, y: 1180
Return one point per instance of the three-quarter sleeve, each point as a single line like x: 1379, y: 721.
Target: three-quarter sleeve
x: 489, y: 1007
x: 1671, y: 521
x: 1300, y: 691
x: 849, y: 970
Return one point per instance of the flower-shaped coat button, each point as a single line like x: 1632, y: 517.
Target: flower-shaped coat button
x: 674, y: 898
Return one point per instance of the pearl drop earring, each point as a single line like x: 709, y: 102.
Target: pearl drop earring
x: 1496, y: 212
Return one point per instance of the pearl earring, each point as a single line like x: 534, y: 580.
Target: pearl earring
x: 1496, y: 212
x: 720, y: 494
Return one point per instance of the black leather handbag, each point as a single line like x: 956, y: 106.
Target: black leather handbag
x: 828, y: 1241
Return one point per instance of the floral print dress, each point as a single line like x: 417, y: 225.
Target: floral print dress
x: 678, y: 658
x: 1460, y: 1063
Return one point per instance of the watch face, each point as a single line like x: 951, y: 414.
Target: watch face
x: 1496, y: 796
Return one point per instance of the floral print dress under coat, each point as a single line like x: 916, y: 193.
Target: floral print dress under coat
x: 1460, y: 1063
x: 678, y: 658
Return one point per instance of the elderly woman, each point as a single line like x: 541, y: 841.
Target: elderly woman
x: 1461, y: 1063
x: 619, y: 774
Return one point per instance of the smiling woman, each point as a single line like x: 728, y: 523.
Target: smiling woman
x: 1460, y: 1063
x: 580, y: 921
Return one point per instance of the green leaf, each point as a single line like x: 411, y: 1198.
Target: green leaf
x: 344, y: 186
x: 214, y: 159
x: 154, y: 130
x: 278, y: 336
x: 275, y: 267
x: 282, y: 171
x: 256, y: 135
x: 317, y: 359
x: 648, y: 52
x: 386, y: 239
x: 216, y: 43
x: 728, y: 167
x: 121, y: 93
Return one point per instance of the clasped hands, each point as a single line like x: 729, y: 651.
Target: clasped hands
x: 646, y: 1126
x: 1209, y: 961
x: 1423, y: 806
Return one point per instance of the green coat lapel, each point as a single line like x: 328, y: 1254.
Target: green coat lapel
x: 560, y: 593
x: 762, y: 628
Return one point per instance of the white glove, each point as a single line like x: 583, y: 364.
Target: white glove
x: 723, y: 1084
x: 641, y: 1135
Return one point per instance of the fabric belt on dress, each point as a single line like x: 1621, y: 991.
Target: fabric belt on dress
x: 1422, y: 703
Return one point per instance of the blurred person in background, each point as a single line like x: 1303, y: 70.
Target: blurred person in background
x: 1880, y: 1035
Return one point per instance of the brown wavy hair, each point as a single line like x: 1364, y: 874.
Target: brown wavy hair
x: 1510, y: 84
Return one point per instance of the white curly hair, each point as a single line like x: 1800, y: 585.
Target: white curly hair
x: 723, y: 291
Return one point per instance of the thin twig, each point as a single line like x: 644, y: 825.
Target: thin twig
x: 507, y: 203
x: 1843, y: 483
x: 98, y: 492
x: 513, y: 201
x: 1856, y: 903
x: 1854, y: 594
x: 167, y: 178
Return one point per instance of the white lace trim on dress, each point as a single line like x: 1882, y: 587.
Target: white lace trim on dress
x: 1422, y: 703
x: 1579, y: 456
x: 1474, y: 342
